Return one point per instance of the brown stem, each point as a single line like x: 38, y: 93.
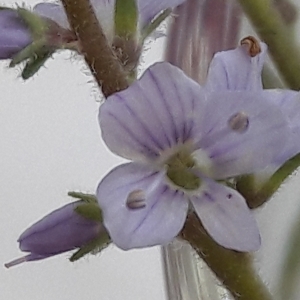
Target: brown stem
x: 98, y: 54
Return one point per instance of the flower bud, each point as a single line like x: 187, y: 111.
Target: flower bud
x: 62, y: 230
x: 14, y: 33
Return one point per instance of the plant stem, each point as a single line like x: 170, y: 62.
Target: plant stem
x: 272, y: 30
x: 234, y: 269
x: 98, y: 54
x: 255, y: 198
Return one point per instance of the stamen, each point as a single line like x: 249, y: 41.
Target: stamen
x: 239, y: 122
x: 136, y: 200
x: 252, y: 44
x: 16, y: 262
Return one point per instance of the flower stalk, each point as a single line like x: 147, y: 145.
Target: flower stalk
x: 234, y: 269
x: 99, y: 56
x: 275, y: 33
x: 254, y: 198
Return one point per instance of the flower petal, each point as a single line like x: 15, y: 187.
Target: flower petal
x: 104, y: 10
x: 52, y: 11
x: 153, y: 114
x: 155, y: 223
x: 226, y: 217
x: 14, y: 34
x: 149, y: 9
x: 60, y: 231
x: 235, y: 152
x: 289, y: 103
x: 236, y: 70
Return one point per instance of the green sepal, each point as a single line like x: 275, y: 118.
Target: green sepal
x: 93, y: 247
x: 90, y: 211
x: 149, y: 28
x: 34, y: 64
x: 37, y: 25
x: 35, y: 54
x: 89, y: 198
x: 32, y: 51
x: 126, y: 18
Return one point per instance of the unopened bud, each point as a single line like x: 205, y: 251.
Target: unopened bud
x: 60, y: 231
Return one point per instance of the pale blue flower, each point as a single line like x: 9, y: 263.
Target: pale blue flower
x: 182, y: 139
x: 235, y: 70
x: 14, y: 33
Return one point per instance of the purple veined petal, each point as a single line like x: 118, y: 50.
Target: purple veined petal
x: 156, y: 222
x: 52, y: 11
x: 60, y: 231
x: 14, y: 34
x: 153, y: 114
x: 236, y: 70
x: 235, y: 152
x: 226, y: 217
x: 149, y: 9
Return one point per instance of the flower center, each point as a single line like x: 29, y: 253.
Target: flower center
x: 179, y: 171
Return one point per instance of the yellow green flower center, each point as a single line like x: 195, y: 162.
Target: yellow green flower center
x: 179, y: 171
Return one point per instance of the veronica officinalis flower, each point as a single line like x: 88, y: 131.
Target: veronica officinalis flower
x: 183, y: 140
x: 239, y: 70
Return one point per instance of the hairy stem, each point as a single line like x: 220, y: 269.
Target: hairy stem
x: 234, y: 269
x: 98, y: 54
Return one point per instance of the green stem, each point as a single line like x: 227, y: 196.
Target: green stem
x: 98, y: 54
x: 272, y: 30
x: 234, y: 269
x: 155, y: 23
x: 257, y: 198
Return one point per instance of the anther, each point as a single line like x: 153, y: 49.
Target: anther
x: 136, y: 200
x: 239, y: 122
x: 252, y: 45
